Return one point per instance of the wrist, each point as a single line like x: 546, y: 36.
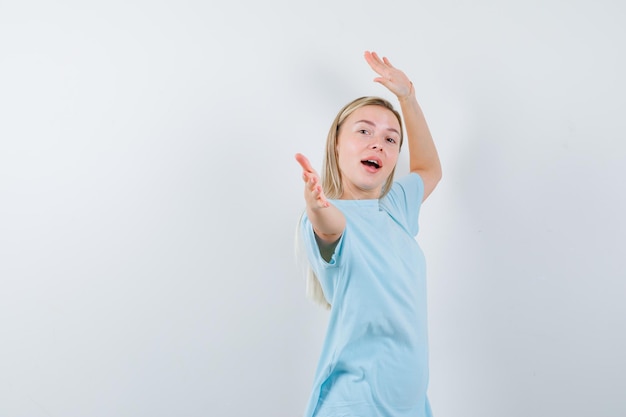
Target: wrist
x: 409, y: 96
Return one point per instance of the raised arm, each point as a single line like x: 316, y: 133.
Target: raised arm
x: 327, y: 220
x: 423, y: 156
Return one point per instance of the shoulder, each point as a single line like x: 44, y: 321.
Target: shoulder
x: 404, y: 200
x: 409, y: 187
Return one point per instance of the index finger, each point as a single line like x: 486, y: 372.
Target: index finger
x: 375, y: 62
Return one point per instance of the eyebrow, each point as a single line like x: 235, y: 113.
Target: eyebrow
x: 374, y: 125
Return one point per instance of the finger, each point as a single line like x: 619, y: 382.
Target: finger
x: 314, y: 187
x: 387, y: 72
x: 385, y: 82
x: 377, y: 59
x: 323, y: 202
x: 304, y: 162
x: 310, y: 180
x: 374, y: 62
x: 320, y: 197
x: 313, y: 183
x: 387, y: 62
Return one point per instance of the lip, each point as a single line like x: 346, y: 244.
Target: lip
x: 375, y: 159
x: 372, y: 169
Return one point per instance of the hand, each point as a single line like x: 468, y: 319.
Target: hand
x: 313, y: 193
x: 395, y: 80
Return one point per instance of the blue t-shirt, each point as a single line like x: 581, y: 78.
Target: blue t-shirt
x: 374, y: 361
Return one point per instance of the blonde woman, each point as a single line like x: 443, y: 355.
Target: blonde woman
x: 358, y: 233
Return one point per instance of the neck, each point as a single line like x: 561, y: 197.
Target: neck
x: 359, y: 194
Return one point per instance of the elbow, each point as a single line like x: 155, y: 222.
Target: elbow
x: 430, y: 177
x: 433, y: 173
x: 438, y: 174
x: 434, y: 178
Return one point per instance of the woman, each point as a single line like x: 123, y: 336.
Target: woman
x: 359, y: 231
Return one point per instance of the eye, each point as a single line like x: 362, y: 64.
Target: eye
x: 363, y: 131
x: 391, y: 140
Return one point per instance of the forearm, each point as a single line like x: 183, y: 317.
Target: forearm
x: 328, y: 222
x: 423, y: 155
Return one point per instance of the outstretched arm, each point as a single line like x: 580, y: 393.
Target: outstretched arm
x: 327, y: 220
x: 423, y: 156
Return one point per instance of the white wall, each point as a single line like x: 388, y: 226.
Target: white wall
x: 148, y: 198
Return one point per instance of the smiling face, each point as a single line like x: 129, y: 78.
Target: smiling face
x: 368, y: 145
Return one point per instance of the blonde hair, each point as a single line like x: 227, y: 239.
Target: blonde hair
x: 314, y: 290
x: 332, y: 183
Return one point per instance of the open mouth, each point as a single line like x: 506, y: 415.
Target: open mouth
x: 372, y: 163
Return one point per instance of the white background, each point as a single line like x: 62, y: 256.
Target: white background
x: 149, y: 196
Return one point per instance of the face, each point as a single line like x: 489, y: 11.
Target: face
x: 368, y: 144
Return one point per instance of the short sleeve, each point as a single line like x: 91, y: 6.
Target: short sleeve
x: 404, y: 200
x: 312, y: 250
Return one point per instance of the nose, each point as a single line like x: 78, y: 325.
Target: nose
x: 376, y: 145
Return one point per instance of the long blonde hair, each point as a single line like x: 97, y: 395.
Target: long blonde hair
x: 333, y: 187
